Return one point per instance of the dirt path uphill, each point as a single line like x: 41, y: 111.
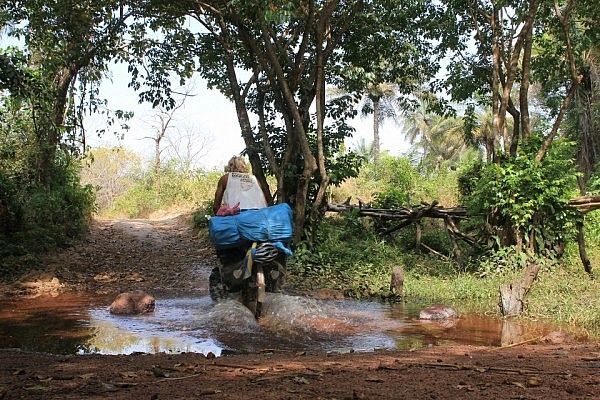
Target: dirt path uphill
x: 119, y: 255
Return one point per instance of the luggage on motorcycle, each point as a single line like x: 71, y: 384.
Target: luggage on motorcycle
x: 269, y: 224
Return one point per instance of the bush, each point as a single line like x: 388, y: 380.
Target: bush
x: 199, y: 215
x: 171, y: 189
x: 350, y: 256
x: 395, y: 182
x: 41, y: 217
x: 524, y: 199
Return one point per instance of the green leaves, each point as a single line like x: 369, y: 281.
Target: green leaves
x: 530, y: 197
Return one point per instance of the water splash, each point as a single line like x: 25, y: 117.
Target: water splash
x: 229, y: 315
x: 69, y: 325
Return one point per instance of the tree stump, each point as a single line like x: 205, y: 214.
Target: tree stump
x: 512, y: 295
x: 397, y: 281
x: 511, y: 299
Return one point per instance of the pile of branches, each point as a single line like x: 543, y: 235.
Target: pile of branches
x: 585, y: 204
x: 402, y: 217
x: 397, y: 218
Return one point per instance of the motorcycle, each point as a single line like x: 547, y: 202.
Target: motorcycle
x: 252, y: 248
x: 251, y: 270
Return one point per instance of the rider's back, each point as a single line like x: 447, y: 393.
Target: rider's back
x: 243, y: 188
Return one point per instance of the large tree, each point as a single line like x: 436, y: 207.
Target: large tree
x: 518, y: 44
x: 274, y: 59
x: 66, y: 43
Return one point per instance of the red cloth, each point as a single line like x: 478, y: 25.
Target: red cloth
x: 224, y: 210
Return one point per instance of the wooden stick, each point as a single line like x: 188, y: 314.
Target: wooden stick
x: 234, y: 366
x: 435, y: 252
x: 518, y: 344
x: 178, y: 378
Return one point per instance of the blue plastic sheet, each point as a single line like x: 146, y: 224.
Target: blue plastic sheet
x: 269, y: 224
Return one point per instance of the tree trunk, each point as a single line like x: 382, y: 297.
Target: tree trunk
x: 418, y: 237
x: 585, y: 260
x: 243, y: 118
x: 48, y: 137
x: 310, y: 163
x: 524, y: 92
x: 497, y: 66
x: 512, y: 295
x: 575, y: 82
x: 318, y: 208
x: 376, y: 124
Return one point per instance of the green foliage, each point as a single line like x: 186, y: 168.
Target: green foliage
x: 112, y: 171
x: 594, y: 182
x: 35, y: 215
x: 392, y: 181
x: 527, y: 196
x: 39, y: 217
x: 509, y: 259
x: 349, y: 255
x: 170, y: 189
x: 202, y: 212
x: 395, y: 182
x: 568, y: 296
x: 468, y: 178
x: 358, y: 266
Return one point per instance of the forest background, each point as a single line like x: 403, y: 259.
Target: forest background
x: 498, y: 99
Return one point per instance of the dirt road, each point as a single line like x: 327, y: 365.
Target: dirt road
x: 152, y: 255
x: 167, y: 255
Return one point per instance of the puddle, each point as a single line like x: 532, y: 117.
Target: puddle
x: 76, y: 324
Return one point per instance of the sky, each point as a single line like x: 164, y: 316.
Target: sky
x: 209, y: 115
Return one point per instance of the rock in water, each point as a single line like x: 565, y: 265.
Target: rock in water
x: 558, y: 337
x: 438, y: 312
x: 132, y: 303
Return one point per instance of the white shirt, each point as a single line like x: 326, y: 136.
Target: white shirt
x: 243, y: 188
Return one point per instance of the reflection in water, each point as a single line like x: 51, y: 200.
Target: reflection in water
x: 46, y: 323
x: 170, y: 328
x: 73, y: 323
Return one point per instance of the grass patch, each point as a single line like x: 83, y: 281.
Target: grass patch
x: 172, y: 190
x: 350, y: 258
x: 568, y: 297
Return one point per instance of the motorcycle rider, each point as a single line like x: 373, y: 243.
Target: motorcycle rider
x: 237, y: 190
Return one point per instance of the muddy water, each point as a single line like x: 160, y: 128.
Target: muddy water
x: 78, y: 324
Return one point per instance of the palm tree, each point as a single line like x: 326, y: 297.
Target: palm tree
x: 483, y: 134
x: 379, y: 100
x: 364, y: 149
x: 441, y: 139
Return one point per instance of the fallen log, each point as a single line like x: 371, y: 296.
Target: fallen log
x: 432, y: 210
x: 585, y: 204
x: 405, y: 216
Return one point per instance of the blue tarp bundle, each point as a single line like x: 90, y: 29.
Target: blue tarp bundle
x: 269, y: 224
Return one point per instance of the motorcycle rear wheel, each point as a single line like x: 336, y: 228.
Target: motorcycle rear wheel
x: 251, y: 293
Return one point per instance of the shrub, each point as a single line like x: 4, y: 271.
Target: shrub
x: 524, y: 199
x: 40, y: 217
x: 171, y: 189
